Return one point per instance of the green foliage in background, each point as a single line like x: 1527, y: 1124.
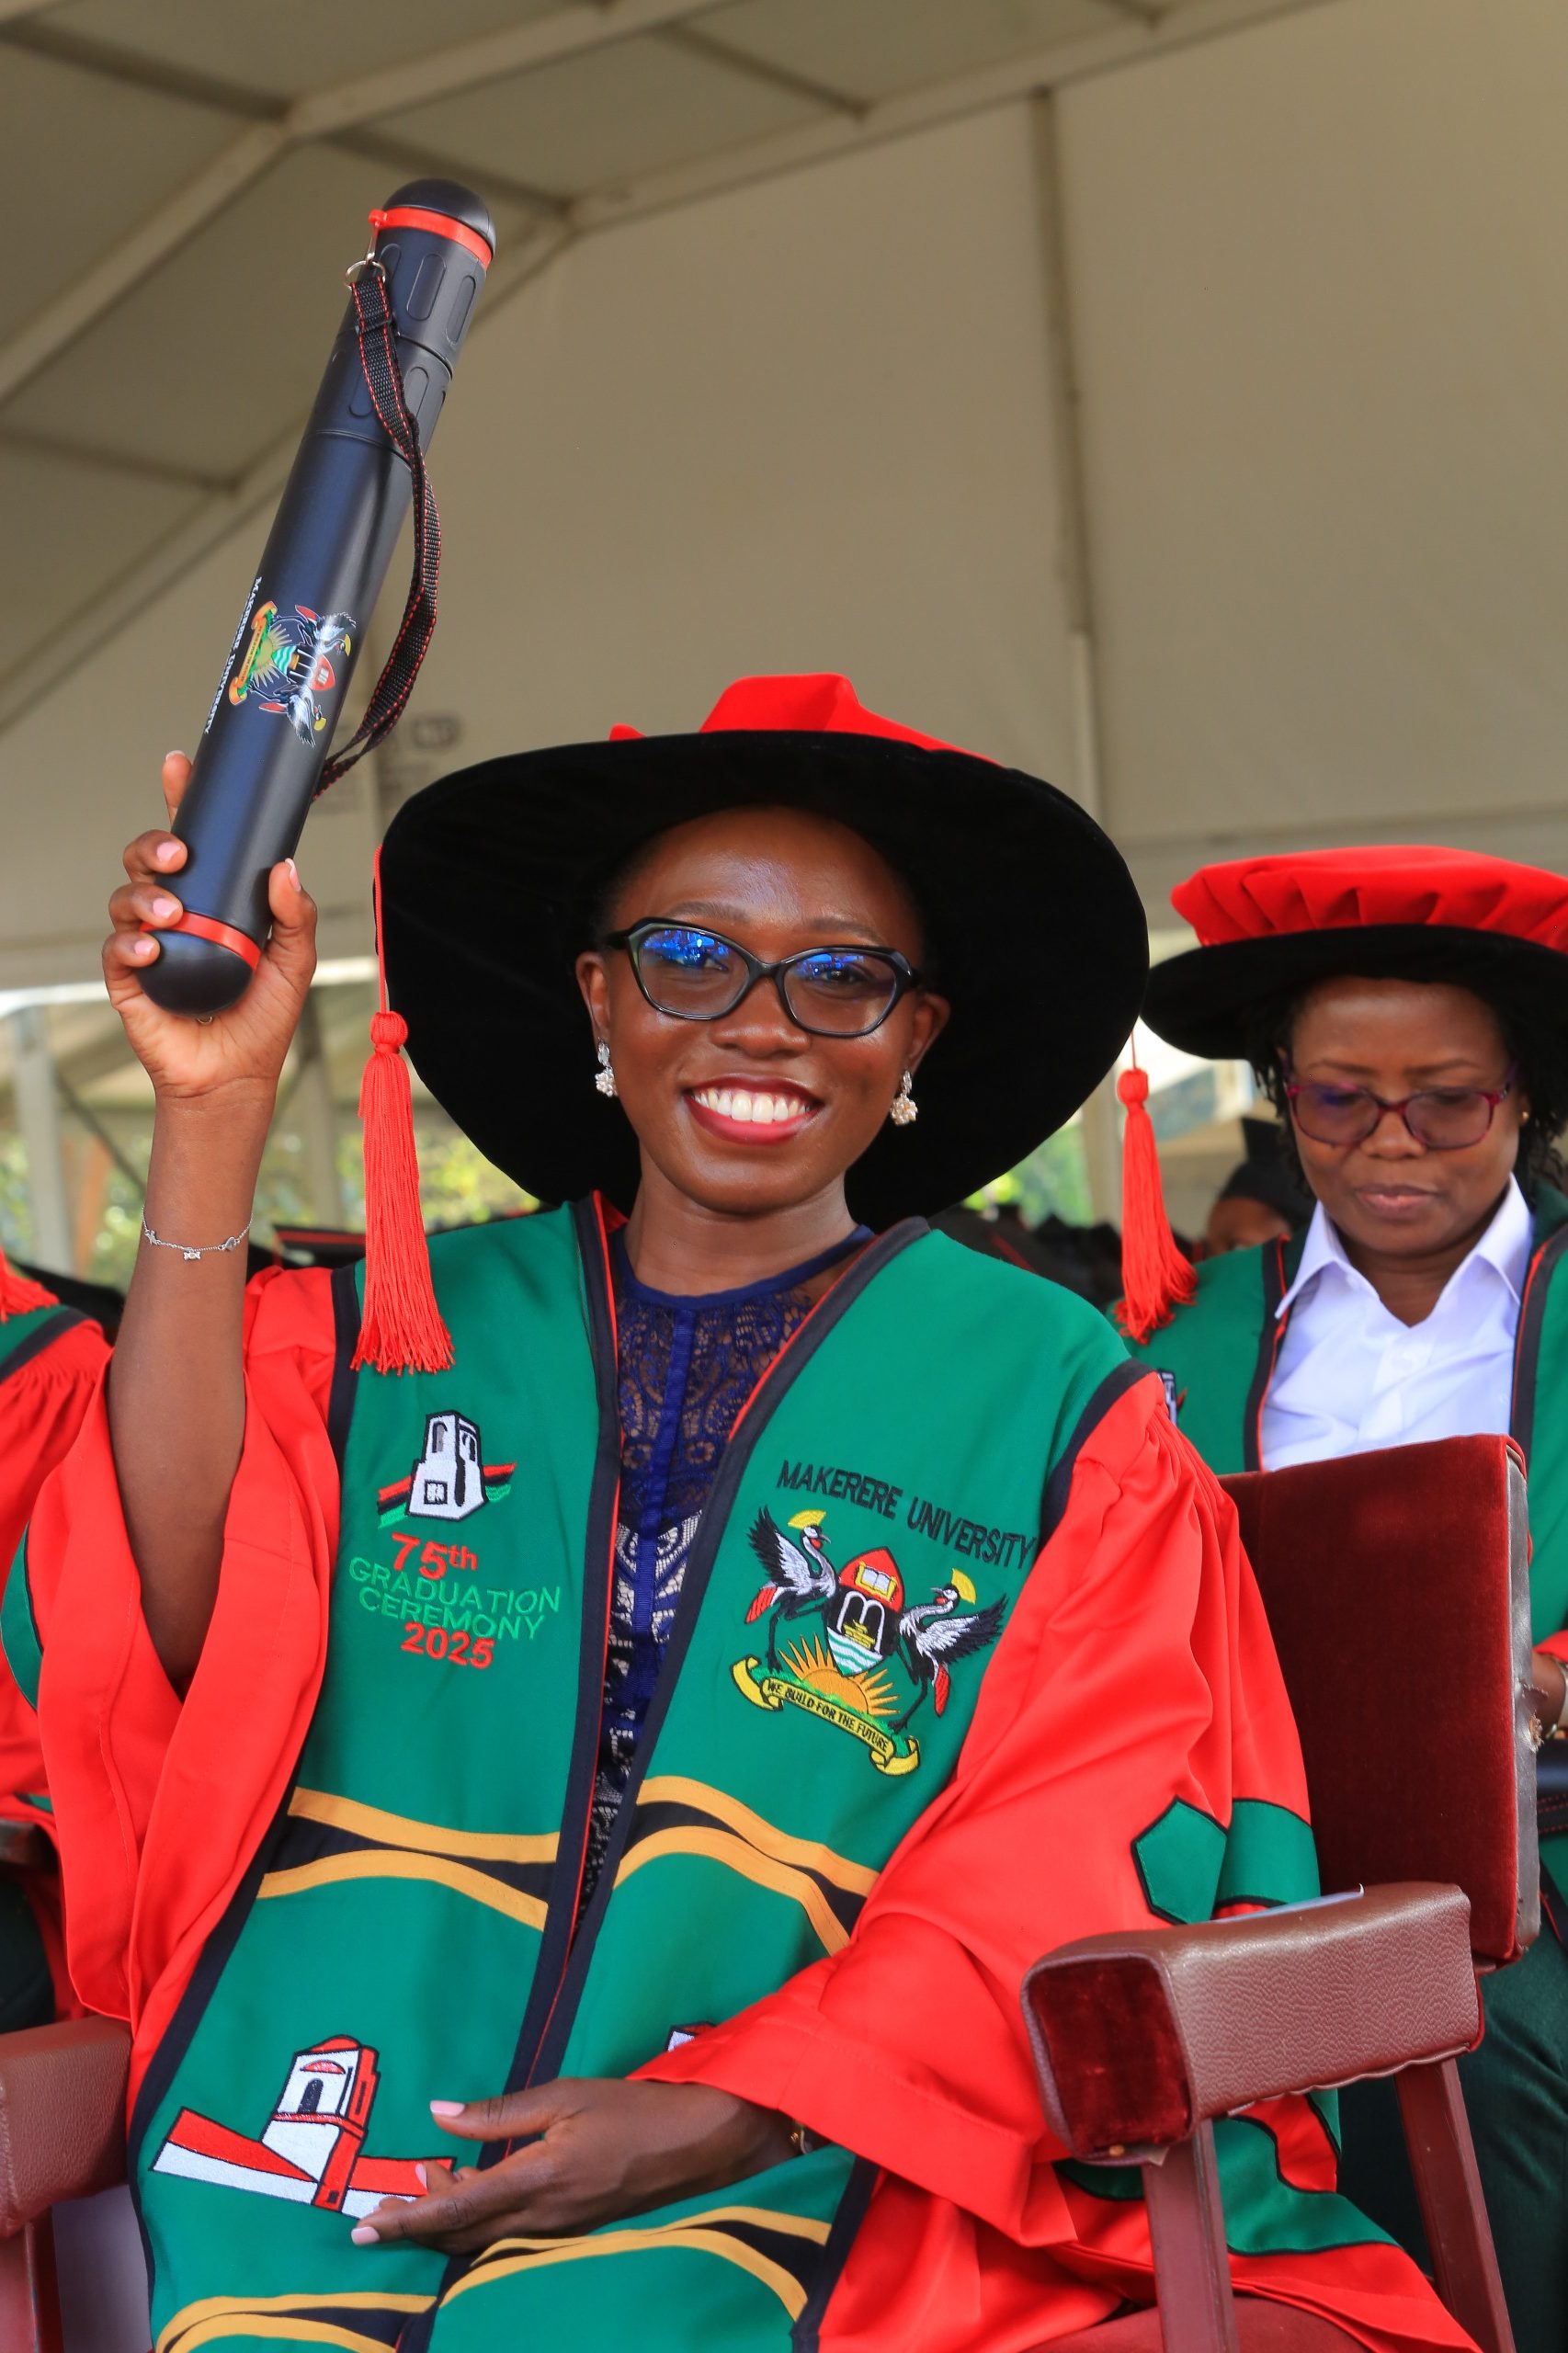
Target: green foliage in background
x: 16, y: 1216
x: 457, y: 1187
x: 114, y: 1245
x: 1053, y: 1182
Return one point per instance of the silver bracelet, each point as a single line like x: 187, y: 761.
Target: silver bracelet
x: 188, y: 1250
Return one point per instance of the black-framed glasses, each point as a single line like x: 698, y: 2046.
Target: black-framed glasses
x: 1444, y: 1119
x: 694, y: 974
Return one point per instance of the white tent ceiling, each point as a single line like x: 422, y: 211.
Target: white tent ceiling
x: 1190, y: 433
x: 162, y: 322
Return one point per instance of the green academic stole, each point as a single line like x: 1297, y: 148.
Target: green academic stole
x: 1216, y: 1356
x: 22, y: 1337
x: 412, y: 1924
x: 1540, y: 1422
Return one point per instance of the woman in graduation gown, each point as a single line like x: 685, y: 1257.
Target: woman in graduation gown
x: 567, y: 1822
x: 1406, y: 1009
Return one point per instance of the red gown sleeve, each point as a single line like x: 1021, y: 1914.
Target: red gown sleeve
x: 1137, y: 1669
x: 41, y: 1405
x: 131, y: 1767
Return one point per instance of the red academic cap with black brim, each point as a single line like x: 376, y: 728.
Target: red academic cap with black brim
x: 1269, y: 926
x: 489, y: 879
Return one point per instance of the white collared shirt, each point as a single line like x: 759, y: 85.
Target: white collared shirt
x: 1350, y: 1376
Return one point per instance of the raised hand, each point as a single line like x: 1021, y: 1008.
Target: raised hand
x: 243, y: 1049
x: 177, y: 1390
x: 595, y: 2149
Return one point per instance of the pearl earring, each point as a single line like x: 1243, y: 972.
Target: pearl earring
x: 606, y: 1079
x: 904, y: 1110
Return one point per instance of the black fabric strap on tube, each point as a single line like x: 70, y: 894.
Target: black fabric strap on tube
x: 383, y: 378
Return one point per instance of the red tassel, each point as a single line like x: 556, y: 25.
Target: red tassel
x: 1155, y: 1278
x: 401, y: 1329
x: 19, y: 1295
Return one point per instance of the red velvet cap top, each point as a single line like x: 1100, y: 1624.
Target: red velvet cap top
x: 808, y: 703
x: 1341, y: 889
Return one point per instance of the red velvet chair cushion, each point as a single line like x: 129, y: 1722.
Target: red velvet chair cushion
x: 1261, y: 2328
x: 1397, y: 1588
x: 1139, y: 2035
x: 1114, y: 2051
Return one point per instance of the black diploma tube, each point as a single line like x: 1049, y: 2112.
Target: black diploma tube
x: 264, y: 744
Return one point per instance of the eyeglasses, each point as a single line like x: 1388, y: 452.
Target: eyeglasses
x: 698, y: 975
x: 1444, y: 1119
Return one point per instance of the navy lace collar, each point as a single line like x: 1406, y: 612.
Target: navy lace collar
x: 770, y: 1286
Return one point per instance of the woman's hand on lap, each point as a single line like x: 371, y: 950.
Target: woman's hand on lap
x: 595, y: 2150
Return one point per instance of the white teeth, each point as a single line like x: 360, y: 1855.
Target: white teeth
x: 752, y: 1110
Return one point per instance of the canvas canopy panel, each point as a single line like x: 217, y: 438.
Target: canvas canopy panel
x: 771, y: 374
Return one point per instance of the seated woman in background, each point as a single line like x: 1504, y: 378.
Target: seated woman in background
x: 1406, y: 1011
x: 641, y: 1749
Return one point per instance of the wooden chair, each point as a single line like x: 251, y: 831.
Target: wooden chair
x: 1396, y: 1586
x: 62, y: 2135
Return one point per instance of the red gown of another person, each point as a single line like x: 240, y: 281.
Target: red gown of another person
x: 908, y: 2045
x: 51, y: 1361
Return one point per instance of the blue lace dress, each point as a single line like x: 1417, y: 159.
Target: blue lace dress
x: 686, y: 1367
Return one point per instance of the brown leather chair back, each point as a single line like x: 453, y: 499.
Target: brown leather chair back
x: 1397, y: 1588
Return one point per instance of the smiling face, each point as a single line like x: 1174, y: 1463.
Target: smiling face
x: 1389, y: 1194
x: 750, y: 1114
